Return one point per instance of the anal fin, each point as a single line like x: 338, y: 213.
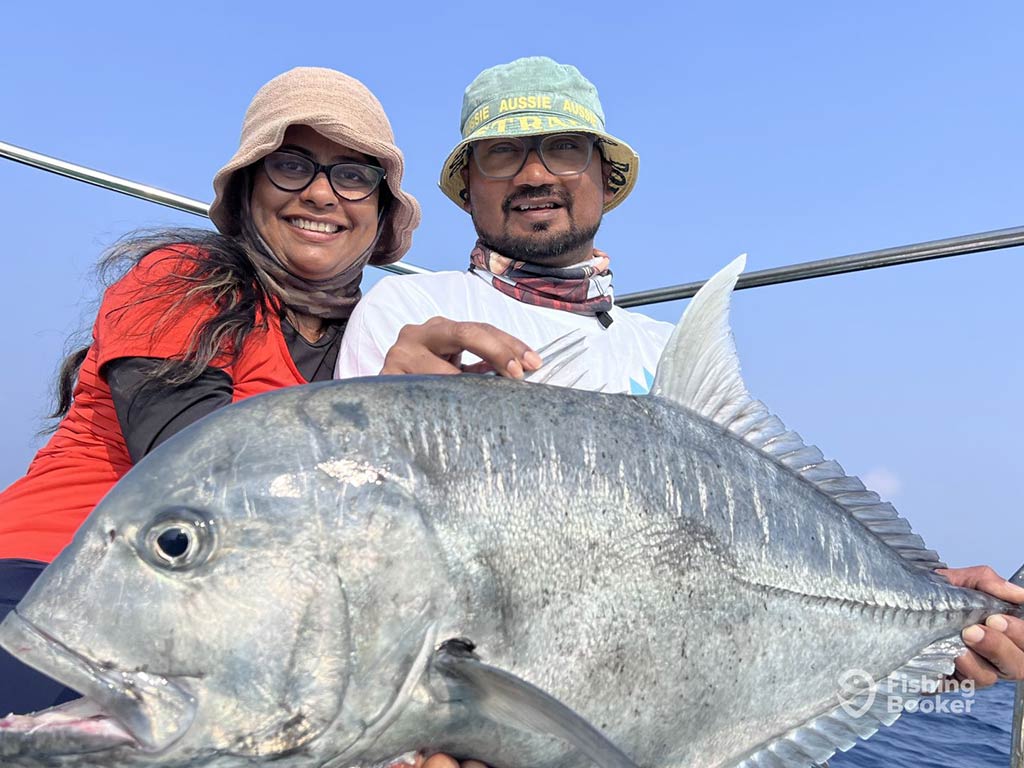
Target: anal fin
x: 859, y: 715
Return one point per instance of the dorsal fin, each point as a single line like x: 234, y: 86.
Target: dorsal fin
x: 699, y: 368
x: 700, y: 371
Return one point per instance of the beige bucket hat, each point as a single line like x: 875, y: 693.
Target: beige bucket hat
x: 533, y: 96
x: 339, y: 108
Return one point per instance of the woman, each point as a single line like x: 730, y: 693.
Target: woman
x: 202, y: 319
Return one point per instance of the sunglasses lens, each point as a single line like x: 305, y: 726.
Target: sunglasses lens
x: 288, y: 171
x: 355, y: 181
x: 499, y: 158
x: 566, y: 153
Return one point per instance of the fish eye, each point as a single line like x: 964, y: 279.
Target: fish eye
x: 178, y: 538
x: 174, y: 542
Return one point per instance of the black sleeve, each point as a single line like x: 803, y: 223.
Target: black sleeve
x: 151, y: 411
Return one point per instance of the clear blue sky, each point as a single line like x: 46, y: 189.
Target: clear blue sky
x: 792, y: 131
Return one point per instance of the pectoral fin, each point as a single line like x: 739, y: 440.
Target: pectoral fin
x: 507, y: 699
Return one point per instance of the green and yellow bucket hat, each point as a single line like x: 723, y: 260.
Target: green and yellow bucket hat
x: 535, y: 96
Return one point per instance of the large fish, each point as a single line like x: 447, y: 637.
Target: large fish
x: 336, y: 575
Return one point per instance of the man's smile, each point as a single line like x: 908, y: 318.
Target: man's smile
x: 537, y: 206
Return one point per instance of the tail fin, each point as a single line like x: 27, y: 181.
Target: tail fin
x: 1017, y: 730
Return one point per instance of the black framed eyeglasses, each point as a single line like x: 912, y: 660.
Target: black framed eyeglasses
x: 292, y: 172
x: 563, y: 154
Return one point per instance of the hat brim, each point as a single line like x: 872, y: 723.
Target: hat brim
x: 622, y: 159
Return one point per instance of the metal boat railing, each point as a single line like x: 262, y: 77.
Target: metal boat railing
x: 906, y: 254
x: 135, y: 189
x: 858, y: 262
x: 887, y: 257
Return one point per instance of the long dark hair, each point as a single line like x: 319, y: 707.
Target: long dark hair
x: 217, y: 270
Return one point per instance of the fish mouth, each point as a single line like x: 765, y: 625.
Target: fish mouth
x: 119, y: 709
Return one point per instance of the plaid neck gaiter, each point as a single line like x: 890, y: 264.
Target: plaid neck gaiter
x: 584, y: 289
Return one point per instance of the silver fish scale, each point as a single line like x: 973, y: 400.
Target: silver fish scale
x: 579, y: 568
x: 690, y: 596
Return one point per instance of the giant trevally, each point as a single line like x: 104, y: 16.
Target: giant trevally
x: 339, y: 574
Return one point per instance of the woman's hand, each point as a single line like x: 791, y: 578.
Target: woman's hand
x: 437, y: 345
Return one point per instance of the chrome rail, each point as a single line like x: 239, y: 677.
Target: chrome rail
x: 887, y: 257
x: 134, y: 189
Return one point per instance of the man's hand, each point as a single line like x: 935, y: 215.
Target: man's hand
x: 437, y: 345
x: 996, y: 649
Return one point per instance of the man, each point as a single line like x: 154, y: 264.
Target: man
x: 536, y: 170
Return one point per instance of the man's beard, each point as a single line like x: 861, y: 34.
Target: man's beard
x: 540, y: 247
